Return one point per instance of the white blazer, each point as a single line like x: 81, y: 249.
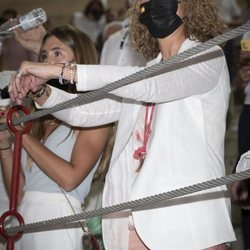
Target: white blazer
x: 186, y: 147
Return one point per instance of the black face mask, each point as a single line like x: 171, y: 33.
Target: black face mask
x: 160, y: 17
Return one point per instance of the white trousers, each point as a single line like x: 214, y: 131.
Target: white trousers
x: 40, y: 206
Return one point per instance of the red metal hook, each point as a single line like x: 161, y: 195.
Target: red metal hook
x: 15, y: 176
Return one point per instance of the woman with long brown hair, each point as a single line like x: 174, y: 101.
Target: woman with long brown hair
x: 58, y: 161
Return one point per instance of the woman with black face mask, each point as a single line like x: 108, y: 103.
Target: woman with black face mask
x: 170, y: 128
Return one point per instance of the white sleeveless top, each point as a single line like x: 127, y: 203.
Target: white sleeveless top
x: 60, y: 142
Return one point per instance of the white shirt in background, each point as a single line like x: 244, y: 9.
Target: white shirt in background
x: 229, y: 10
x: 117, y: 50
x: 92, y: 28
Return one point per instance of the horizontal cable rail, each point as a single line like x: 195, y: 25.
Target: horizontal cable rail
x: 131, y: 204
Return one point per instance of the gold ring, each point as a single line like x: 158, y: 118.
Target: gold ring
x: 19, y: 74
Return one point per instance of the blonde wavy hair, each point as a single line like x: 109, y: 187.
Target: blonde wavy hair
x: 202, y: 22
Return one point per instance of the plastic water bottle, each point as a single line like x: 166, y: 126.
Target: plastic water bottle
x: 33, y: 19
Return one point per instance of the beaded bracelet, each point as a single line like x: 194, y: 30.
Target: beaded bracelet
x: 71, y: 67
x: 38, y: 93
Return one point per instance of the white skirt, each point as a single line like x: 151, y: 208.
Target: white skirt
x: 40, y: 206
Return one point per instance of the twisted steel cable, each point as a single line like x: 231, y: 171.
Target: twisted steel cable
x: 136, y: 204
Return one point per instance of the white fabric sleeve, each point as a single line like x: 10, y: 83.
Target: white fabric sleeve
x: 93, y: 114
x: 92, y: 77
x: 197, y: 75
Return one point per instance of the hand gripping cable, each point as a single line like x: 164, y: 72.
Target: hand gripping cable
x: 10, y: 238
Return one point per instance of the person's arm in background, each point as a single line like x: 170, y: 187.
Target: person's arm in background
x: 31, y: 39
